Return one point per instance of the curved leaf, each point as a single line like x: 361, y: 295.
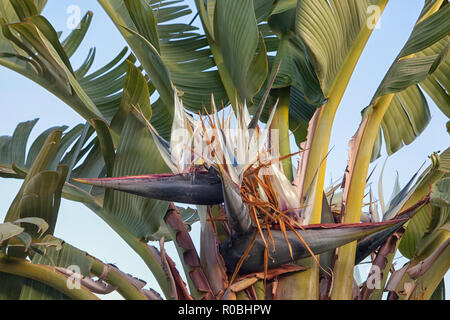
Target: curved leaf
x: 440, y: 193
x: 329, y: 30
x: 179, y: 55
x: 73, y: 41
x: 40, y: 194
x: 421, y: 65
x: 429, y: 218
x: 13, y: 149
x: 9, y: 230
x: 32, y: 48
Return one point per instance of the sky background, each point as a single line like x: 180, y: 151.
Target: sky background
x: 23, y: 100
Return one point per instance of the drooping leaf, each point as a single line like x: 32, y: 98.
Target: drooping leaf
x: 104, y: 86
x: 39, y: 222
x: 37, y: 144
x: 296, y: 68
x: 136, y: 94
x: 440, y: 193
x: 73, y: 41
x: 429, y: 218
x: 32, y: 48
x: 37, y: 203
x: 436, y: 85
x: 419, y: 67
x: 152, y: 63
x: 47, y: 185
x: 9, y: 230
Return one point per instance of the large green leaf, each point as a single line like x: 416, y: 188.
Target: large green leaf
x: 236, y: 36
x: 104, y: 86
x: 136, y: 94
x: 36, y: 205
x: 8, y: 13
x: 422, y: 65
x: 152, y: 63
x: 31, y: 47
x: 76, y: 150
x: 431, y: 217
x: 136, y: 154
x: 426, y: 32
x: 436, y: 85
x: 15, y: 161
x: 43, y: 172
x: 73, y: 41
x: 172, y: 54
x: 237, y: 33
x: 329, y: 30
x: 46, y: 184
x: 296, y: 71
x: 319, y: 41
x: 295, y: 68
x: 408, y: 115
x: 38, y: 143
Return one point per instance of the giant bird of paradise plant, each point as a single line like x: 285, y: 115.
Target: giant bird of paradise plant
x: 267, y: 231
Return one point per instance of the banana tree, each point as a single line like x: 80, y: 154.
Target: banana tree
x: 268, y: 230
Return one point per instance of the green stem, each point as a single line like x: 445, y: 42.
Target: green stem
x: 44, y: 274
x: 354, y: 193
x: 316, y: 164
x: 280, y: 122
x: 355, y: 186
x: 303, y: 285
x: 260, y: 290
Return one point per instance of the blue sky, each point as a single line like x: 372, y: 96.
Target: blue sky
x: 25, y: 100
